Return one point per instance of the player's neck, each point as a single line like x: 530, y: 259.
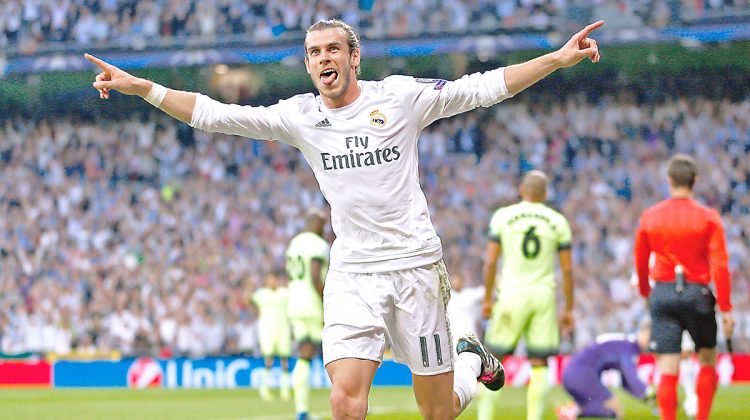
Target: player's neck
x: 350, y: 95
x: 681, y: 192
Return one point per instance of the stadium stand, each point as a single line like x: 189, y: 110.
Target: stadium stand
x: 139, y: 236
x: 30, y: 26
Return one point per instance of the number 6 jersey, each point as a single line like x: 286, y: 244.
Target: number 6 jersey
x: 530, y: 234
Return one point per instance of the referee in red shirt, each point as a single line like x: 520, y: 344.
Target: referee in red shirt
x: 688, y: 240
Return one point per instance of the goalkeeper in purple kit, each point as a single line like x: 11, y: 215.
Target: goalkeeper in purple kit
x: 582, y: 376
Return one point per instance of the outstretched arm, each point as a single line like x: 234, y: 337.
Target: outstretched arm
x: 199, y: 111
x: 520, y: 76
x: 176, y: 103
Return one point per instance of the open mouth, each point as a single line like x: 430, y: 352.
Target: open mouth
x: 329, y: 76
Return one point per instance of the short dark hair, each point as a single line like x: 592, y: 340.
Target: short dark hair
x: 682, y: 170
x: 351, y: 36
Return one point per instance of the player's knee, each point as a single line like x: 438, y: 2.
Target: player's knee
x: 437, y: 412
x: 344, y: 405
x: 707, y: 357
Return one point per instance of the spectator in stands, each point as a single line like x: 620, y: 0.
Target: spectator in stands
x: 128, y: 24
x: 89, y: 217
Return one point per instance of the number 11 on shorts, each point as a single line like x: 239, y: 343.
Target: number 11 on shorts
x: 438, y: 350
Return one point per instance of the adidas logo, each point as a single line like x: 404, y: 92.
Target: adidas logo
x: 324, y: 123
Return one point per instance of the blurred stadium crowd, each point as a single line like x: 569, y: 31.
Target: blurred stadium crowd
x: 142, y: 236
x: 30, y: 25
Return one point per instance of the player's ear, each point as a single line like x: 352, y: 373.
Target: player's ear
x: 356, y: 57
x: 307, y: 64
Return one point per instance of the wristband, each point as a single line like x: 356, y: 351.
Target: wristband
x: 156, y: 95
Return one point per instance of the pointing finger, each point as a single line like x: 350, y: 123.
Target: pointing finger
x: 101, y: 63
x: 588, y: 29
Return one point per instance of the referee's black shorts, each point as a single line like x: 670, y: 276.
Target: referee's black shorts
x: 671, y: 313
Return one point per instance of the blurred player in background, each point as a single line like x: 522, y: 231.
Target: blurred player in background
x: 529, y: 235
x: 387, y: 276
x: 688, y: 240
x: 583, y: 373
x: 464, y: 308
x: 306, y: 267
x: 688, y: 374
x: 271, y: 301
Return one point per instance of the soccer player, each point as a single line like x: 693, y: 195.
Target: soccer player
x: 386, y: 275
x: 582, y: 375
x: 688, y: 374
x: 306, y: 267
x: 274, y: 338
x: 688, y: 241
x: 529, y: 234
x: 464, y: 308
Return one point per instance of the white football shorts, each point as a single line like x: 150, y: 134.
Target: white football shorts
x: 687, y: 345
x: 406, y: 308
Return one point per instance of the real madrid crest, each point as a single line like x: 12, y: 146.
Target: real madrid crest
x: 377, y: 118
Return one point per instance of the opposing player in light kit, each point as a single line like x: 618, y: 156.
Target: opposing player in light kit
x: 529, y: 234
x: 274, y: 338
x: 688, y: 241
x: 306, y: 268
x: 386, y: 276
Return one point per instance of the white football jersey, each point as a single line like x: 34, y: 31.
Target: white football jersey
x: 364, y: 156
x: 464, y: 310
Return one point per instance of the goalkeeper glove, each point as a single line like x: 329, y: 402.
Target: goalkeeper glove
x: 649, y: 397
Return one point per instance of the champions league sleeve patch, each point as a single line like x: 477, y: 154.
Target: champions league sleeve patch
x: 439, y: 83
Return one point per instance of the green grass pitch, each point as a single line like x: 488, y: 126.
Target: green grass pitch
x: 393, y: 403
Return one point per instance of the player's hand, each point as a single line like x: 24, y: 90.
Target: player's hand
x: 649, y: 397
x: 486, y: 309
x: 580, y: 46
x: 650, y: 394
x: 112, y: 77
x: 567, y: 322
x: 727, y: 324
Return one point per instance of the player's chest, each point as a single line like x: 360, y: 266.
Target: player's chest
x: 372, y: 127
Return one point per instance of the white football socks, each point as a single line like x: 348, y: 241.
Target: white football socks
x: 467, y: 370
